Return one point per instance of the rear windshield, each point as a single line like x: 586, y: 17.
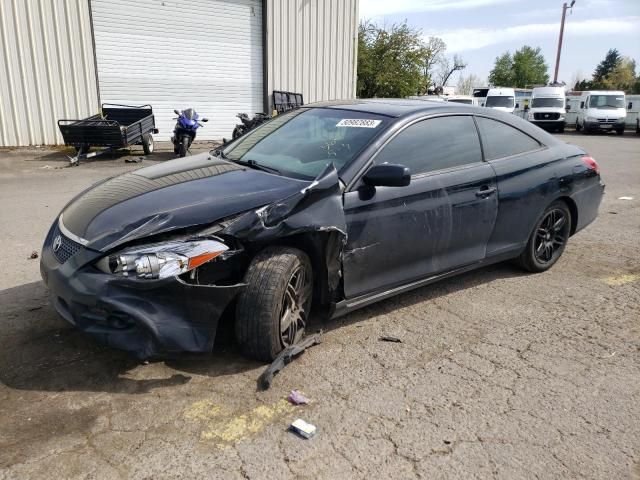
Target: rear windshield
x: 499, y: 102
x: 547, y: 102
x: 301, y: 143
x: 606, y: 101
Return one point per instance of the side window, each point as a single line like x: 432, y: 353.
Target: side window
x: 501, y: 140
x: 434, y: 144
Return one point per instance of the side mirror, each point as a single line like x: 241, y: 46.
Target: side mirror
x: 176, y: 112
x: 581, y: 104
x: 205, y: 119
x: 567, y: 108
x: 387, y: 175
x: 630, y: 106
x: 517, y: 105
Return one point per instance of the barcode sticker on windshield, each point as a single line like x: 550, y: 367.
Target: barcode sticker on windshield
x: 358, y: 122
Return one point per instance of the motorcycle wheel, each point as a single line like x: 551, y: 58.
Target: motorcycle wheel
x: 183, y: 147
x: 237, y: 132
x: 147, y: 144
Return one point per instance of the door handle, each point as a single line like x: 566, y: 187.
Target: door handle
x: 485, y: 192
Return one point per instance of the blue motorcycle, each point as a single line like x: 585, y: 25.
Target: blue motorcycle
x: 185, y: 130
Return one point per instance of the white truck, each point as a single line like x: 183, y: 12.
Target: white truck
x: 503, y: 99
x: 548, y: 108
x: 602, y: 110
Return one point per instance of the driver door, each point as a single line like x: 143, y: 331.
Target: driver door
x: 441, y: 221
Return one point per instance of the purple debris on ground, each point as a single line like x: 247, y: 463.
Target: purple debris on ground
x: 297, y: 398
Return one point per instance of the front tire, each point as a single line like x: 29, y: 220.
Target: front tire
x: 548, y: 239
x: 273, y: 309
x: 183, y: 147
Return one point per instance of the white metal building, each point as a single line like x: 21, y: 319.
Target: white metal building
x: 61, y: 59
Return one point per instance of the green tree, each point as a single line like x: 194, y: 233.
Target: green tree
x: 394, y: 61
x: 622, y: 77
x: 529, y: 68
x: 526, y: 67
x: 502, y: 73
x: 606, y: 66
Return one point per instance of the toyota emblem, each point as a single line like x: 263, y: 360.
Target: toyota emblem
x: 57, y: 243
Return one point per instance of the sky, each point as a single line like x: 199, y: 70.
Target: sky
x: 480, y: 30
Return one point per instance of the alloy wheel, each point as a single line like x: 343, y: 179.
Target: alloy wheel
x: 551, y: 236
x: 295, y: 307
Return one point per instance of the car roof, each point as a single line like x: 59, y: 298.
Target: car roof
x: 393, y: 107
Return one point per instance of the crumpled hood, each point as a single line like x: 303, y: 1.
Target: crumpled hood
x: 180, y: 193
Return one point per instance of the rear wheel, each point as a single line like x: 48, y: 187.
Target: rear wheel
x: 548, y: 239
x: 561, y: 129
x: 620, y: 131
x: 273, y: 309
x: 183, y: 147
x: 147, y: 143
x: 584, y: 129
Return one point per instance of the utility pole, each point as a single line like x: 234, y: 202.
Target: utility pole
x: 564, y: 13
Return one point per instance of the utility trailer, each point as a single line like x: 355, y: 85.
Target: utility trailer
x: 116, y: 127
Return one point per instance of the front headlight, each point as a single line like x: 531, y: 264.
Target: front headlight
x: 161, y: 260
x: 591, y: 119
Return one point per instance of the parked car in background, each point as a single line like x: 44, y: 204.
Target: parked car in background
x: 602, y: 110
x: 334, y: 205
x: 502, y: 99
x: 548, y: 108
x: 464, y: 99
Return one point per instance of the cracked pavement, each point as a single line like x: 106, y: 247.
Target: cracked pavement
x: 500, y: 374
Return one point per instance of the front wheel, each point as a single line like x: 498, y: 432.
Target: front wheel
x: 237, y: 132
x: 273, y: 309
x: 183, y: 147
x: 548, y: 239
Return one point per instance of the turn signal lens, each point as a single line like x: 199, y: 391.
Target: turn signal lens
x: 591, y: 164
x: 200, y: 259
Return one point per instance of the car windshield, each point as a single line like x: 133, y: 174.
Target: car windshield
x: 547, y: 102
x: 189, y: 113
x: 499, y: 102
x: 606, y: 101
x: 302, y: 142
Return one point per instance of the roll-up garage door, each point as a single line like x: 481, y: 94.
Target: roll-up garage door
x: 205, y: 54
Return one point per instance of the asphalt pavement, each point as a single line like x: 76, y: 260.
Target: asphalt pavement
x: 500, y: 373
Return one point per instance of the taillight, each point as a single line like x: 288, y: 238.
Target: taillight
x: 591, y: 164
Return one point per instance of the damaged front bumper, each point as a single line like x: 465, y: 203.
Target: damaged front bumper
x: 146, y: 317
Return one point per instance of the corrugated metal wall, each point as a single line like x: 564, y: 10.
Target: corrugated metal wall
x: 312, y: 48
x: 47, y: 70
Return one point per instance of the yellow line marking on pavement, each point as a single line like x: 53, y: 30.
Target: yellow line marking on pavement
x: 617, y: 280
x: 224, y: 429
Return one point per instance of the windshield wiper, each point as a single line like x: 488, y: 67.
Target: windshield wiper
x: 257, y: 166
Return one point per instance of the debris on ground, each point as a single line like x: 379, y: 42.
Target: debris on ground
x: 33, y: 309
x: 390, y: 339
x: 285, y: 357
x: 297, y: 398
x: 302, y: 428
x: 33, y: 255
x: 134, y: 160
x: 625, y: 198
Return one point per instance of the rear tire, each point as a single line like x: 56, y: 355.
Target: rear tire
x: 620, y: 131
x: 147, y: 144
x: 561, y: 129
x: 273, y: 309
x: 183, y: 147
x: 584, y: 130
x: 548, y: 239
x: 578, y: 128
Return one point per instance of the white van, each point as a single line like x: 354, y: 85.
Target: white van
x: 465, y: 99
x: 548, y: 108
x: 503, y: 99
x: 602, y: 110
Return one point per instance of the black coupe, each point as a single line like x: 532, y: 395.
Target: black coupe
x: 331, y: 206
